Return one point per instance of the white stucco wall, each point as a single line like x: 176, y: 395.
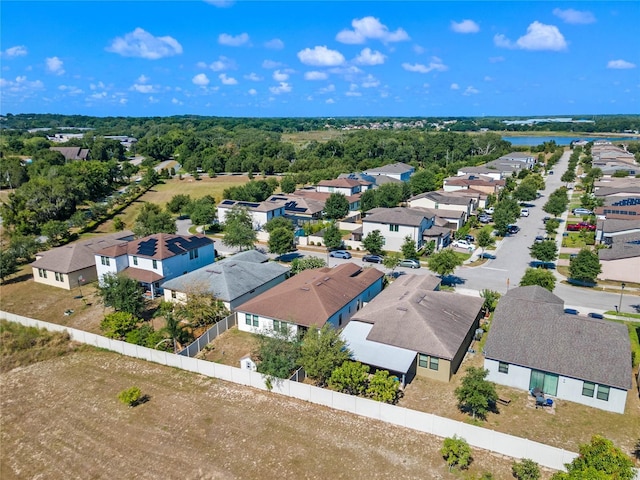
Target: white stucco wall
x: 116, y: 264
x: 568, y: 388
x: 346, y: 191
x: 395, y: 240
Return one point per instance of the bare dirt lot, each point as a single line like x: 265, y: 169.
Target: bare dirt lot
x: 61, y: 419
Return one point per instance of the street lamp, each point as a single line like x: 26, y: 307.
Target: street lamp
x: 622, y: 285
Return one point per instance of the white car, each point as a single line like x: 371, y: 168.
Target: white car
x: 489, y: 211
x: 524, y: 212
x: 463, y: 244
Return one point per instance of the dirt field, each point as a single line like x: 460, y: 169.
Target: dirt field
x: 61, y: 419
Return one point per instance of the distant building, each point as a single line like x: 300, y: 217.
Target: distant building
x: 72, y: 153
x: 261, y: 212
x: 398, y: 170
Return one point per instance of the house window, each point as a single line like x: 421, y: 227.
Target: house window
x: 59, y: 277
x: 393, y: 228
x: 155, y: 264
x: 423, y: 360
x: 503, y: 367
x: 42, y: 273
x: 105, y: 261
x: 247, y: 319
x: 279, y: 326
x: 433, y: 363
x: 603, y: 393
x: 173, y: 294
x: 256, y: 323
x: 135, y: 260
x: 340, y: 319
x: 193, y: 254
x: 588, y: 388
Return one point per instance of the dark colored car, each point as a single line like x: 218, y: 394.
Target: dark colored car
x: 571, y: 311
x: 539, y: 239
x: 576, y: 227
x: 470, y: 238
x: 599, y: 316
x: 546, y: 219
x: 372, y: 258
x: 488, y: 256
x: 539, y: 264
x: 513, y: 229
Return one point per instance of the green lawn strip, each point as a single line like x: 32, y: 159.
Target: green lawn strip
x: 622, y: 314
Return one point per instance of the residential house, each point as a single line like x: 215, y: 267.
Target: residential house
x: 156, y: 258
x: 310, y: 193
x: 607, y: 229
x: 233, y: 280
x: 483, y: 170
x: 72, y: 153
x: 621, y: 261
x: 261, y: 212
x: 298, y: 209
x: 370, y: 181
x: 345, y: 186
x: 446, y: 201
x: 532, y: 343
x: 413, y: 328
x: 397, y: 223
x: 522, y: 157
x: 311, y: 298
x: 73, y: 264
x: 398, y: 170
x: 479, y: 183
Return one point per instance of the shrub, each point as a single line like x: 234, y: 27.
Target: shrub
x: 456, y: 452
x: 130, y: 396
x: 527, y: 469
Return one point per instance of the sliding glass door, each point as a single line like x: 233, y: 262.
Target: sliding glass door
x: 547, y: 382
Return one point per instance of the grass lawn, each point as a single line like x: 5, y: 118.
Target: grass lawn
x: 623, y: 314
x: 301, y: 139
x: 230, y: 347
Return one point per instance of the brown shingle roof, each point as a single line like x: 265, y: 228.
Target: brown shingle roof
x: 159, y: 246
x: 312, y: 296
x: 397, y: 216
x: 530, y: 329
x: 79, y: 255
x: 72, y: 153
x: 342, y: 182
x: 146, y: 276
x: 410, y: 314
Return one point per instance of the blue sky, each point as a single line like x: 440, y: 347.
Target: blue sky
x: 312, y: 59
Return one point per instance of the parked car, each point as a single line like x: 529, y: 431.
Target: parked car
x: 546, y: 219
x: 539, y: 239
x: 409, y: 263
x: 582, y: 211
x: 599, y: 316
x: 540, y: 264
x: 576, y: 227
x: 340, y: 254
x: 524, y: 212
x: 571, y: 311
x: 489, y: 211
x: 463, y: 244
x: 513, y: 229
x: 485, y: 219
x: 550, y: 172
x: 373, y: 258
x: 470, y: 238
x: 488, y: 256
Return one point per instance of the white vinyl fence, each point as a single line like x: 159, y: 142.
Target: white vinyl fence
x: 479, y: 437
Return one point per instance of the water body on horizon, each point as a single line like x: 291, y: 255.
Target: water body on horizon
x: 564, y: 140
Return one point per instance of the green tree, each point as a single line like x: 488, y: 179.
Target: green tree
x: 8, y: 263
x: 373, y: 242
x: 526, y: 469
x: 122, y: 293
x: 444, y: 262
x: 238, y: 230
x: 336, y: 206
x: 130, y: 396
x: 350, y: 377
x: 178, y: 203
x: 491, y: 298
x: 392, y: 261
x: 557, y: 202
x: 24, y: 247
x: 585, y: 267
x: 306, y: 263
x: 456, y: 452
x: 152, y: 219
x: 383, y: 387
x: 408, y: 248
x: 201, y: 309
x: 277, y: 354
x: 322, y: 351
x: 568, y: 176
x: 546, y: 251
x: 537, y: 276
x: 552, y: 226
x: 118, y: 324
x: 476, y: 395
x: 150, y: 178
x: 56, y: 231
x: 203, y: 211
x: 598, y: 460
x: 484, y: 238
x: 118, y: 224
x: 505, y: 213
x: 525, y: 192
x: 332, y: 236
x: 281, y: 241
x: 288, y: 184
x: 279, y: 222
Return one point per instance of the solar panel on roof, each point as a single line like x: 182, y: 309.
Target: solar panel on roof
x: 228, y: 202
x: 249, y: 204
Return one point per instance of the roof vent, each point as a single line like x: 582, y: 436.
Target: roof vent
x: 402, y: 309
x: 306, y: 289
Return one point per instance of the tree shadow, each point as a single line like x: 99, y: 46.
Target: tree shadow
x: 20, y: 278
x: 289, y: 257
x: 453, y: 280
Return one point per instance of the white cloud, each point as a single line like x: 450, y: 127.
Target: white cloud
x: 620, y: 64
x: 98, y: 96
x: 471, y: 91
x: 274, y: 44
x: 574, y: 16
x: 143, y: 79
x: 455, y: 86
x: 487, y: 78
x: 252, y: 91
x: 284, y: 87
x: 465, y: 26
x: 142, y: 44
x: 315, y: 75
x: 20, y: 85
x: 227, y: 80
x: 418, y: 49
x: 223, y: 63
x: 269, y: 64
x: 435, y: 64
x: 55, y: 66
x: 353, y: 91
x: 153, y: 99
x: 328, y: 89
x: 330, y: 101
x: 220, y: 3
x: 141, y: 88
x: 279, y: 76
x: 370, y: 28
x: 254, y: 77
x: 175, y: 101
x: 538, y: 37
x: 231, y: 41
x: 370, y: 57
x: 321, y: 56
x: 370, y: 82
x: 70, y: 89
x: 17, y: 51
x: 96, y: 86
x: 201, y: 80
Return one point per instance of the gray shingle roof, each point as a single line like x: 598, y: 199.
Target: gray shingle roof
x: 451, y: 198
x: 397, y: 216
x: 410, y: 314
x: 624, y: 246
x: 613, y: 226
x: 530, y: 329
x: 392, y: 168
x: 230, y: 278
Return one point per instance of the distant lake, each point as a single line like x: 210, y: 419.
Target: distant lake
x: 563, y: 140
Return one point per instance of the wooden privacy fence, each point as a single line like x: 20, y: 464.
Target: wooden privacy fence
x: 479, y: 437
